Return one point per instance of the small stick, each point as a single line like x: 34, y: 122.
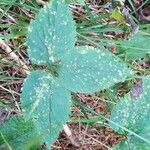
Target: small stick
x: 11, y: 18
x: 8, y: 50
x: 10, y: 91
x: 70, y: 135
x: 40, y: 2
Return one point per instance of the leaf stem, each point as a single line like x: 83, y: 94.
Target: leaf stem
x: 6, y: 142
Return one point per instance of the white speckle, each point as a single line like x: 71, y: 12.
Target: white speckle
x: 115, y: 80
x: 103, y: 54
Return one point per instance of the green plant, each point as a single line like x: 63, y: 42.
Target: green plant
x: 46, y: 94
x: 134, y: 114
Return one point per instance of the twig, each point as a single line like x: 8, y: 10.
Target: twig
x: 11, y: 18
x: 8, y: 146
x: 70, y: 135
x: 98, y: 141
x: 8, y: 50
x: 10, y: 91
x: 40, y: 2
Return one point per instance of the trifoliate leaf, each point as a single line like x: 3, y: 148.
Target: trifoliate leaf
x: 51, y: 34
x: 87, y: 69
x: 47, y: 102
x: 136, y: 47
x: 17, y: 133
x: 134, y: 114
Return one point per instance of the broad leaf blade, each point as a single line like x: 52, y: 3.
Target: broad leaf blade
x: 136, y: 47
x: 134, y: 114
x: 51, y: 34
x: 17, y: 133
x: 131, y: 113
x: 44, y: 100
x: 87, y: 69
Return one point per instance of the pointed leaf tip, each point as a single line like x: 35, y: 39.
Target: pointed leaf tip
x: 87, y: 70
x: 51, y: 34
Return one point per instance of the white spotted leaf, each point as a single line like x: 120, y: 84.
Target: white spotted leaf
x: 87, y: 69
x: 51, y: 34
x: 134, y: 114
x: 45, y: 101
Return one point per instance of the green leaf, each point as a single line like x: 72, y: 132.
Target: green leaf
x: 47, y: 102
x: 116, y: 14
x: 131, y: 143
x: 17, y: 133
x: 51, y: 34
x: 136, y: 47
x: 134, y: 114
x: 87, y: 69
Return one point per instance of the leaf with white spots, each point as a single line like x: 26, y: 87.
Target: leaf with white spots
x: 134, y: 114
x: 136, y: 47
x: 87, y: 69
x: 51, y: 34
x: 47, y: 102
